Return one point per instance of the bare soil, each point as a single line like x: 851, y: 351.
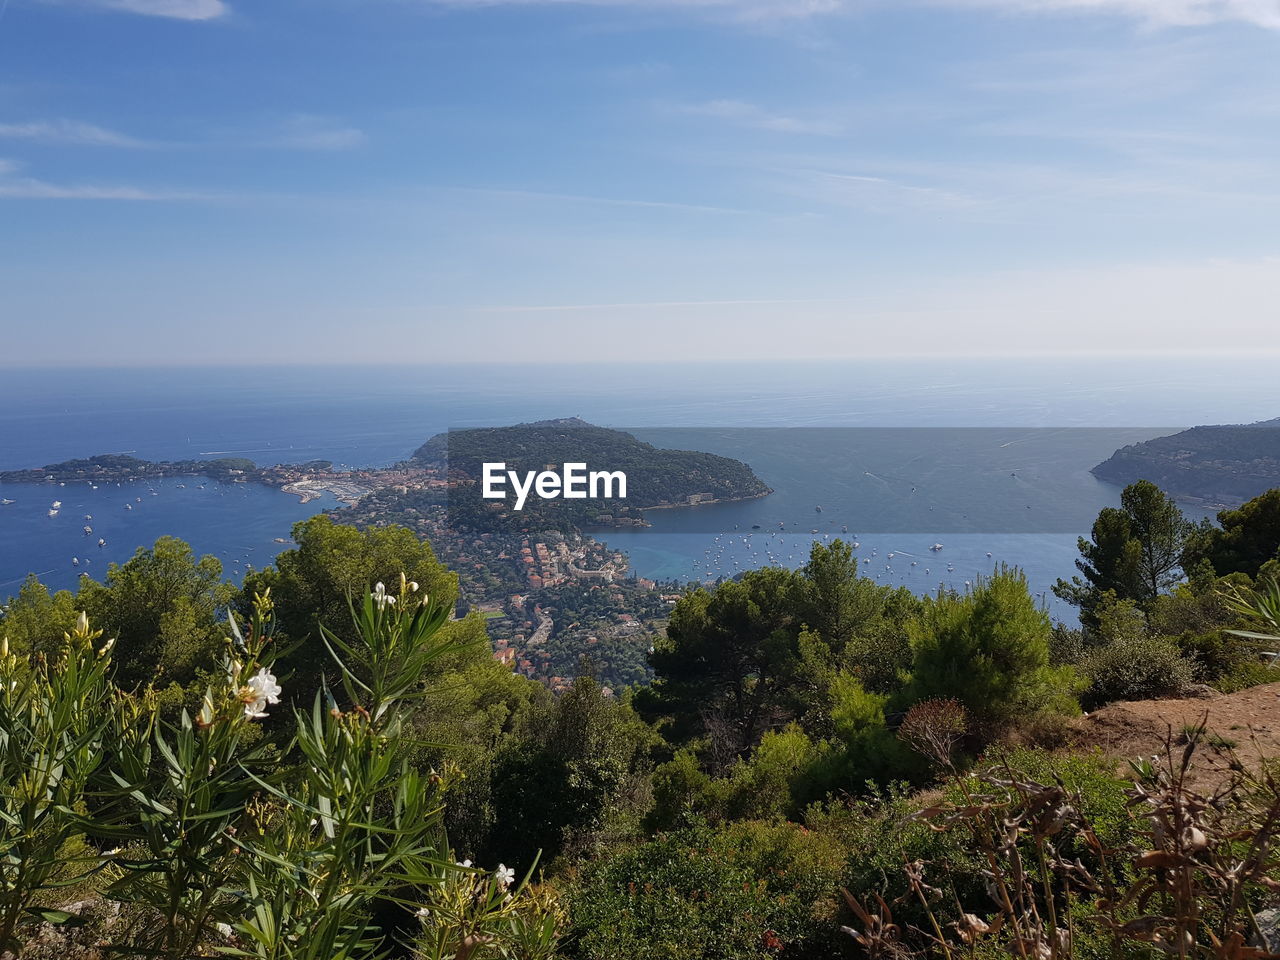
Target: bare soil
x: 1242, y: 727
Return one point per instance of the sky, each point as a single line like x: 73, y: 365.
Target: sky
x: 392, y: 181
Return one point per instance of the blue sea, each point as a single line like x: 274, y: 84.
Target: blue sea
x: 778, y: 417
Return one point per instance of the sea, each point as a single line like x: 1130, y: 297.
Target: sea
x: 940, y: 469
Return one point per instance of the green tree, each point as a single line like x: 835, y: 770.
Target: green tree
x: 1135, y: 551
x: 36, y: 621
x: 989, y: 649
x: 727, y: 665
x: 1244, y: 540
x: 163, y: 607
x: 564, y: 785
x: 311, y: 584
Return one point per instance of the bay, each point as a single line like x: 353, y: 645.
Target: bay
x: 377, y: 416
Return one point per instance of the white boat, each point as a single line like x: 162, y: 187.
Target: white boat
x: 8, y: 501
x: 936, y: 547
x: 53, y: 513
x: 75, y: 561
x: 101, y: 542
x: 56, y: 504
x: 128, y: 506
x: 87, y: 529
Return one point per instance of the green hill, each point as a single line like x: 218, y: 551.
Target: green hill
x: 1222, y: 465
x: 655, y: 477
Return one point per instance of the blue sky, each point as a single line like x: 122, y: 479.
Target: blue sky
x: 206, y: 181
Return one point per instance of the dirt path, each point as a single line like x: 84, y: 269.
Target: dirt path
x: 1249, y: 719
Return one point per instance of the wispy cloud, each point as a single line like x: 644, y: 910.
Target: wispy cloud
x: 306, y: 131
x: 298, y: 132
x: 14, y: 185
x: 68, y: 132
x: 745, y: 114
x: 748, y: 10
x: 649, y: 304
x: 1168, y: 13
x: 172, y: 9
x: 879, y: 194
x: 606, y: 201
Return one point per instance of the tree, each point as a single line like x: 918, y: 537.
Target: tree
x: 164, y: 608
x: 988, y: 649
x: 311, y: 584
x: 1135, y: 551
x: 726, y: 665
x: 36, y: 621
x: 1245, y: 539
x: 564, y: 784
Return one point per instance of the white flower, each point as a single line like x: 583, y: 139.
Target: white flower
x: 504, y: 875
x: 381, y: 597
x: 465, y: 864
x: 258, y: 692
x: 423, y: 913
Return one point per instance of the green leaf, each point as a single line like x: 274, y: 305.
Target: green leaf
x: 57, y: 917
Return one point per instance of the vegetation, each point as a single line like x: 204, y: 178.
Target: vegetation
x: 655, y: 476
x: 311, y: 765
x: 1221, y: 465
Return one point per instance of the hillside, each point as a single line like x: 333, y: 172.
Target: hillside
x: 1220, y: 466
x: 655, y: 477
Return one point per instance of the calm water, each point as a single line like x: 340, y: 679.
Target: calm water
x: 376, y: 417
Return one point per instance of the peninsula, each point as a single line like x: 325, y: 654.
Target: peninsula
x: 1219, y: 466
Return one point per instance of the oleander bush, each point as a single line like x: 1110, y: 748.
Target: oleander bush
x: 206, y: 836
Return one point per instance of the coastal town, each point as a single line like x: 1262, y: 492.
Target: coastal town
x: 554, y: 597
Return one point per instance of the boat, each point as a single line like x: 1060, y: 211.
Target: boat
x: 817, y: 509
x: 936, y: 547
x: 128, y: 506
x: 8, y: 501
x: 87, y: 529
x: 88, y: 516
x: 56, y: 504
x: 101, y: 542
x: 75, y: 561
x: 53, y: 513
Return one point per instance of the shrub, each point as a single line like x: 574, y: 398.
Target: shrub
x: 988, y: 649
x: 741, y: 892
x: 1215, y: 655
x: 1252, y: 673
x: 1166, y: 871
x: 1135, y: 668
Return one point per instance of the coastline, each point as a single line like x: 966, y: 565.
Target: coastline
x: 707, y: 503
x: 343, y: 490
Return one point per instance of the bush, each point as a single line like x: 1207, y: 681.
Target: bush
x: 988, y: 649
x: 1215, y: 654
x: 741, y: 892
x: 1135, y: 668
x: 1251, y: 673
